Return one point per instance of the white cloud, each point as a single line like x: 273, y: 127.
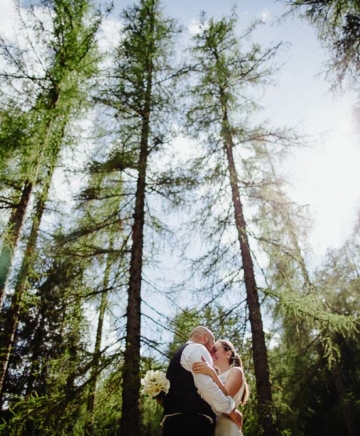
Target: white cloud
x: 265, y: 15
x: 327, y: 178
x: 195, y: 26
x: 110, y: 34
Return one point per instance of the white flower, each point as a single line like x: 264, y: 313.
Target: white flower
x: 154, y: 383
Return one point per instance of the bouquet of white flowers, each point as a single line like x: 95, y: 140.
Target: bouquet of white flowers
x: 155, y: 384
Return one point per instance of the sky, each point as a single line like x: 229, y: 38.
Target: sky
x: 324, y: 176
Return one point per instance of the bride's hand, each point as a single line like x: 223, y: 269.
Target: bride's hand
x: 203, y: 368
x: 236, y: 416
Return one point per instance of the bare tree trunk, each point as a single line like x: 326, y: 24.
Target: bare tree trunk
x: 12, y: 236
x: 261, y: 365
x: 11, y: 321
x: 89, y: 428
x: 35, y: 363
x: 45, y: 291
x: 131, y: 417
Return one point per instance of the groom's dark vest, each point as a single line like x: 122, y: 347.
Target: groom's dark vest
x: 183, y: 396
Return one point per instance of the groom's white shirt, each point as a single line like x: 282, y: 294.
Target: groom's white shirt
x: 205, y: 385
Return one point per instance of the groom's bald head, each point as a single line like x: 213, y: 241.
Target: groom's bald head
x: 202, y: 335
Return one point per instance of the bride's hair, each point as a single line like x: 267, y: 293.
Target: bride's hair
x: 235, y: 360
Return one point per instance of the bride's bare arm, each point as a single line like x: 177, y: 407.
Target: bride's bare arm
x: 234, y: 381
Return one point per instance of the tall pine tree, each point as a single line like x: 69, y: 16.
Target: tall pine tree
x: 140, y: 99
x: 219, y: 118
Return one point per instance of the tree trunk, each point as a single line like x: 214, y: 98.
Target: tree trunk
x: 37, y: 344
x: 131, y: 416
x: 12, y: 236
x: 89, y: 428
x: 38, y: 341
x: 18, y: 216
x: 11, y: 321
x: 261, y: 365
x: 346, y: 405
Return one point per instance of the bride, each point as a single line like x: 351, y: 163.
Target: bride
x: 229, y: 376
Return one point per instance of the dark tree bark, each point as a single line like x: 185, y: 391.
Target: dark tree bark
x: 141, y: 99
x: 89, y: 428
x: 225, y: 71
x: 261, y: 365
x: 130, y: 421
x: 48, y: 298
x: 15, y: 224
x: 12, y: 316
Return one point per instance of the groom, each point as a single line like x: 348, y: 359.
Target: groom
x: 193, y: 400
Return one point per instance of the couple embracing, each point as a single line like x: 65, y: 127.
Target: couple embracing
x: 202, y: 401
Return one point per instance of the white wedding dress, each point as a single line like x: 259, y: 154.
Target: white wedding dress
x: 224, y: 425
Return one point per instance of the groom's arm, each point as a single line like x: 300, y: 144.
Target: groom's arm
x: 205, y: 385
